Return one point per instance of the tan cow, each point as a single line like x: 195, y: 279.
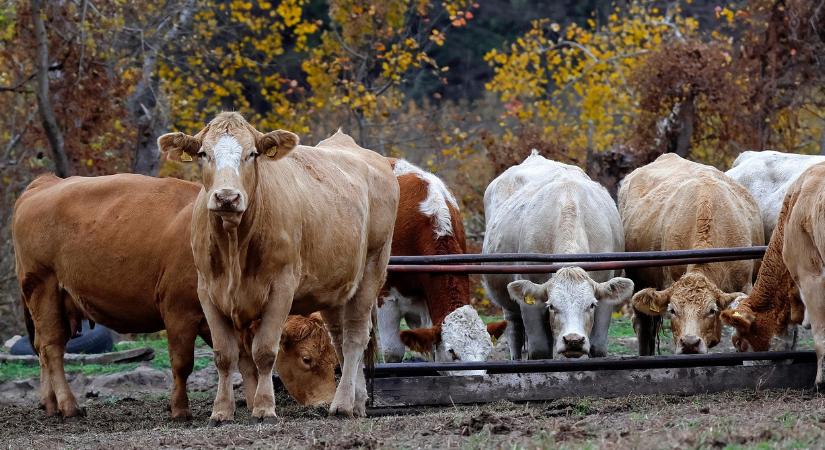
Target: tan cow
x: 280, y: 228
x: 793, y: 259
x: 676, y: 204
x: 115, y: 249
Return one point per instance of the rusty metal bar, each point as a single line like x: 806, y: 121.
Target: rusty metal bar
x: 754, y: 252
x: 551, y: 268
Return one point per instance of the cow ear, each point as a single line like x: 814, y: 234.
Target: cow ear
x: 179, y: 146
x: 276, y: 144
x: 723, y: 300
x: 651, y: 302
x: 525, y: 292
x: 614, y: 292
x: 496, y: 329
x: 421, y: 340
x: 740, y: 318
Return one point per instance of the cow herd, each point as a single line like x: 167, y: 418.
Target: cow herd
x: 277, y: 257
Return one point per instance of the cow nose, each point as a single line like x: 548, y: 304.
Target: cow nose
x: 228, y: 198
x: 690, y: 344
x: 573, y: 341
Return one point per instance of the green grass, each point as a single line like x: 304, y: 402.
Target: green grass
x: 19, y: 371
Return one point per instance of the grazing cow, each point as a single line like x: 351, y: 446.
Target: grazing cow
x: 767, y: 175
x: 429, y: 223
x: 115, y: 249
x: 545, y: 206
x: 676, y: 204
x: 774, y: 306
x: 280, y: 228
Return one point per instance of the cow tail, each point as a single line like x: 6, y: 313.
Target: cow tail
x: 27, y: 316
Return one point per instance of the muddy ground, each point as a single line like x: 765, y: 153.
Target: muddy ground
x: 746, y: 419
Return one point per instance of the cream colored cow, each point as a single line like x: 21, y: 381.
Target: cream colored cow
x: 280, y: 228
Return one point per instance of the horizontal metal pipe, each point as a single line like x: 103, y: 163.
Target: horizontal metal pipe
x: 551, y: 268
x: 576, y: 365
x: 755, y: 251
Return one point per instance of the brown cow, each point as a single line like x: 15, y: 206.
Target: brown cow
x: 674, y: 204
x: 279, y: 227
x: 115, y: 249
x: 429, y: 223
x: 775, y: 304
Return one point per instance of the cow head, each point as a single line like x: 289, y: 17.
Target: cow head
x: 306, y: 360
x: 693, y: 304
x: 228, y: 150
x: 750, y: 335
x: 462, y: 336
x: 571, y: 297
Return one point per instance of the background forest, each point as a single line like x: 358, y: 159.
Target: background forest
x: 462, y: 88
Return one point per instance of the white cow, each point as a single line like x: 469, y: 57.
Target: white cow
x: 767, y: 175
x: 545, y: 206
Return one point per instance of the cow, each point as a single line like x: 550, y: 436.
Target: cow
x: 774, y: 307
x: 546, y: 206
x: 429, y: 223
x: 676, y: 204
x: 767, y: 175
x: 115, y: 249
x: 281, y: 228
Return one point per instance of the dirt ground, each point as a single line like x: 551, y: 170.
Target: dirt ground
x: 767, y: 419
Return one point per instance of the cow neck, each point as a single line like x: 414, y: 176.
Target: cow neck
x: 448, y: 292
x: 774, y: 286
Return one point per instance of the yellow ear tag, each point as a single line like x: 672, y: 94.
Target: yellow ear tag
x: 737, y: 314
x: 654, y: 308
x: 185, y: 157
x: 529, y: 299
x: 272, y: 152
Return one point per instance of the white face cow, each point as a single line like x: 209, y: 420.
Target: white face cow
x: 461, y: 337
x: 571, y: 297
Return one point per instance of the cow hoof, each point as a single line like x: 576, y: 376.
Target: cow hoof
x: 268, y: 420
x: 73, y: 415
x: 214, y: 423
x: 182, y: 417
x: 340, y: 411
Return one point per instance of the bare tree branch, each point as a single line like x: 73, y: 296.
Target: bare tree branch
x: 44, y: 103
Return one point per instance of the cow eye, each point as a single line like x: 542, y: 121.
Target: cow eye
x: 551, y: 307
x: 592, y: 306
x: 453, y: 355
x: 712, y: 312
x: 307, y: 360
x: 201, y: 153
x: 672, y: 311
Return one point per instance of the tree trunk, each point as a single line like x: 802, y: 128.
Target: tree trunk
x: 687, y: 114
x: 145, y: 105
x: 44, y: 103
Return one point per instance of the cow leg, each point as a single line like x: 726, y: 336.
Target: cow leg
x: 601, y: 325
x: 812, y: 289
x: 389, y: 328
x: 515, y: 333
x: 351, y: 396
x: 47, y: 398
x: 225, y: 347
x: 50, y: 339
x: 250, y: 376
x: 265, y: 346
x: 182, y: 335
x: 646, y: 327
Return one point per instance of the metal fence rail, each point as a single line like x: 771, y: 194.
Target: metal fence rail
x: 742, y: 252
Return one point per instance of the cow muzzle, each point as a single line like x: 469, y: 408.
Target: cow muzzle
x: 227, y: 200
x: 691, y: 345
x: 574, y: 346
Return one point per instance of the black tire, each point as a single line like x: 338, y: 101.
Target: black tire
x: 98, y: 340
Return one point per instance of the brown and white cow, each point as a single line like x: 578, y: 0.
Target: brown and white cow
x: 280, y: 228
x: 435, y: 306
x: 115, y: 249
x: 776, y: 302
x: 675, y: 204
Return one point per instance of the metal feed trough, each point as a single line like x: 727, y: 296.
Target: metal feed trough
x: 420, y: 384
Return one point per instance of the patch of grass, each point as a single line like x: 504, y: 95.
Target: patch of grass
x: 621, y: 327
x: 161, y: 361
